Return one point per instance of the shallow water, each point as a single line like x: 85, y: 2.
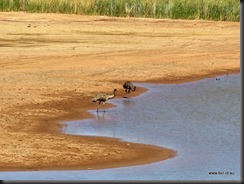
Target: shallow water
x: 201, y: 120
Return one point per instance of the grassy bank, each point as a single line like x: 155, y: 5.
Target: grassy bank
x: 225, y: 10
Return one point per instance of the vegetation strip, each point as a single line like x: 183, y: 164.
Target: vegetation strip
x: 224, y: 10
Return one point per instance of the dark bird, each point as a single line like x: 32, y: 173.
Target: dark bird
x: 129, y: 86
x: 103, y: 98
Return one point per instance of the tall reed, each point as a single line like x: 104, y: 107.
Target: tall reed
x: 225, y: 10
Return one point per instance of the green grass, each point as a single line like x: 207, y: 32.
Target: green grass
x: 224, y: 10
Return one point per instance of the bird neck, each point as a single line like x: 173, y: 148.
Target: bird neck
x: 111, y: 96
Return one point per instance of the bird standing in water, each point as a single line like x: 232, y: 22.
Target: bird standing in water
x: 103, y: 98
x: 129, y: 86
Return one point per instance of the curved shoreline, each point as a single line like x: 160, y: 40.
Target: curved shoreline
x: 148, y: 153
x: 46, y: 82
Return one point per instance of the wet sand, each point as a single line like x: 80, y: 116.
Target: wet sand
x: 52, y: 65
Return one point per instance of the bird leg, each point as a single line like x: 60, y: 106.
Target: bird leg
x: 128, y: 93
x: 104, y: 106
x: 126, y: 90
x: 98, y: 105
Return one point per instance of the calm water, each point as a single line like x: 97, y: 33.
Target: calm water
x: 201, y: 120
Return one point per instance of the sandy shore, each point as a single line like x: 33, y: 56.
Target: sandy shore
x: 52, y: 65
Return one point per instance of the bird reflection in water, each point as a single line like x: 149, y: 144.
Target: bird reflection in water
x: 100, y: 116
